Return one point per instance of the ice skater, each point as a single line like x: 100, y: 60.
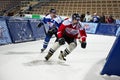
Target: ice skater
x: 70, y: 30
x: 53, y: 21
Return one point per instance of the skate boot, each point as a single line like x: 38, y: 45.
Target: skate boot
x: 61, y: 56
x: 48, y: 56
x: 50, y: 53
x: 83, y: 45
x: 42, y: 50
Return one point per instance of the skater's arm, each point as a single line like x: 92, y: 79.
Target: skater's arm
x: 43, y: 21
x: 61, y: 31
x: 83, y: 35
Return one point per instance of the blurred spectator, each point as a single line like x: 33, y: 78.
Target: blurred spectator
x: 110, y: 19
x: 30, y: 8
x: 2, y: 12
x: 102, y: 18
x: 95, y: 18
x: 88, y: 17
x: 46, y: 14
x: 10, y: 14
x: 21, y: 13
x: 82, y: 17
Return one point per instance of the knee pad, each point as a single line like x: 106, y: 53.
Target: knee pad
x: 56, y: 46
x: 72, y: 46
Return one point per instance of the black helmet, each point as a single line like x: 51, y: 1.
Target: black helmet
x: 52, y: 11
x: 75, y: 16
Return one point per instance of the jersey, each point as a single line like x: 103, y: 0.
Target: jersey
x: 72, y: 31
x: 52, y: 22
x: 88, y: 18
x: 95, y: 18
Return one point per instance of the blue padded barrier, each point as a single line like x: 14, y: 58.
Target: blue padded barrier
x: 117, y: 21
x: 112, y: 65
x: 4, y: 33
x: 90, y: 27
x: 118, y: 30
x: 107, y: 29
x: 38, y: 33
x: 20, y: 30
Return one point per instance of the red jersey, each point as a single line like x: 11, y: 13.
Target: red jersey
x: 72, y: 31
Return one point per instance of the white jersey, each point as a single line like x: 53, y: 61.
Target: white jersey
x: 52, y: 21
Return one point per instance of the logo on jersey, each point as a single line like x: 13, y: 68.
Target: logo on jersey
x: 72, y: 31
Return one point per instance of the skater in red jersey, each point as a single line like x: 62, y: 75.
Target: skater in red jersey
x: 70, y: 30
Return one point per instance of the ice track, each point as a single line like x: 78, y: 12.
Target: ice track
x: 23, y: 61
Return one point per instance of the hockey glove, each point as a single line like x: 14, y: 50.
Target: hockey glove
x: 52, y: 31
x: 40, y: 24
x: 61, y: 41
x: 83, y: 45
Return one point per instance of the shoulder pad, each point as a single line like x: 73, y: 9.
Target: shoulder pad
x: 58, y: 19
x: 67, y: 22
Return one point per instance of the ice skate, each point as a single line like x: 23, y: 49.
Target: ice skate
x: 48, y: 56
x: 42, y: 50
x: 61, y: 56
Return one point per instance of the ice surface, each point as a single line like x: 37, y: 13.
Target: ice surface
x: 24, y: 61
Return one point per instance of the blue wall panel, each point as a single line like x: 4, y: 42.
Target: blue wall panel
x: 20, y: 30
x: 4, y: 33
x: 90, y: 27
x: 118, y: 30
x: 37, y: 32
x: 112, y: 65
x: 107, y: 29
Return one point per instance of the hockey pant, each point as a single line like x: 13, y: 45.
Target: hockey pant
x: 47, y: 39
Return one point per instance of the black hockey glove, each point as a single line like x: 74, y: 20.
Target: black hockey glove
x: 40, y: 24
x: 52, y: 31
x: 83, y: 45
x: 61, y: 41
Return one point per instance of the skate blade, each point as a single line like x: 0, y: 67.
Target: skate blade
x: 61, y: 57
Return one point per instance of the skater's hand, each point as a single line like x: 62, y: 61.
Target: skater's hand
x: 61, y: 41
x: 83, y: 45
x: 40, y: 24
x: 52, y: 31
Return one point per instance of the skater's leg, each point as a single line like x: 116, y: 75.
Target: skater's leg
x: 46, y: 41
x: 68, y: 50
x: 52, y: 50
